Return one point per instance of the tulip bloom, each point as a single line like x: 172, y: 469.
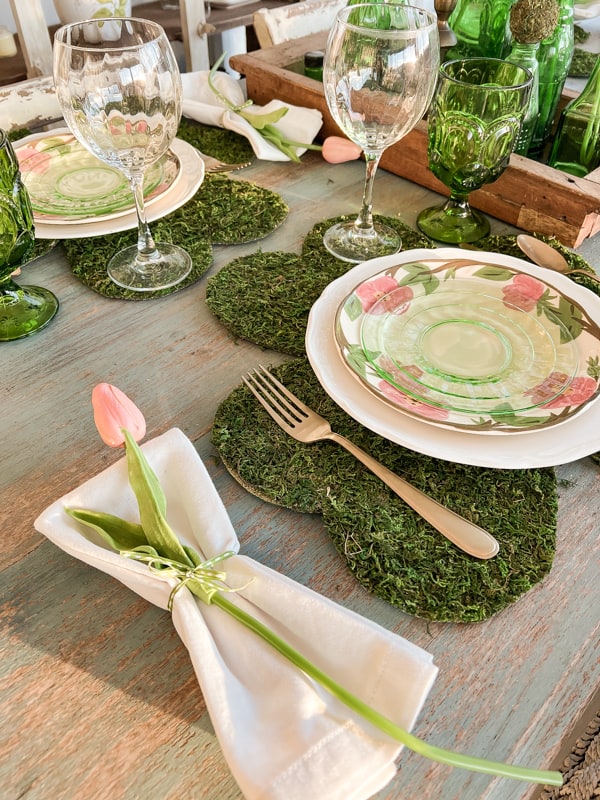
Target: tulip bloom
x: 113, y: 412
x: 336, y: 149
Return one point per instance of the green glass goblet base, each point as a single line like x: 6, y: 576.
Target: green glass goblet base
x: 24, y: 310
x: 349, y: 242
x: 453, y: 222
x: 167, y: 267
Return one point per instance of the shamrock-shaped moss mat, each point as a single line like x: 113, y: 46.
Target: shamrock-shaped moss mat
x: 223, y: 211
x: 388, y: 547
x: 266, y: 298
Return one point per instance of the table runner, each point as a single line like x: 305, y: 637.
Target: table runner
x: 389, y: 548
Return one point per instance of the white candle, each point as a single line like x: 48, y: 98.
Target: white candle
x: 7, y: 43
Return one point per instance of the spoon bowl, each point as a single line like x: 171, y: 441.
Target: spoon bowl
x: 544, y: 255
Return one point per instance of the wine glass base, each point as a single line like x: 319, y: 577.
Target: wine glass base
x: 348, y: 243
x: 128, y: 271
x: 25, y: 310
x: 453, y: 223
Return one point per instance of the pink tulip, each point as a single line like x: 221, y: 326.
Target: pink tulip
x: 113, y: 411
x: 337, y: 149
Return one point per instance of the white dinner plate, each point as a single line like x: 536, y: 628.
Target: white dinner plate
x: 192, y: 175
x: 575, y: 438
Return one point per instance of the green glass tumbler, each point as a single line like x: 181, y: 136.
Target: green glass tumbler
x: 473, y: 126
x: 23, y: 309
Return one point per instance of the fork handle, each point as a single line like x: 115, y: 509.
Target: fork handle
x: 464, y: 534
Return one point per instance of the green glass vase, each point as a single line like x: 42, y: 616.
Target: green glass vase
x: 554, y: 59
x: 481, y: 28
x: 525, y: 55
x: 576, y: 146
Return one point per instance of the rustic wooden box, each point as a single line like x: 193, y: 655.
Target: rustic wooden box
x: 528, y: 194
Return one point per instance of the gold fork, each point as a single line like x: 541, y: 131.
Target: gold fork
x: 305, y: 425
x: 214, y: 165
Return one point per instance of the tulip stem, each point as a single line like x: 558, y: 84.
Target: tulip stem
x: 546, y: 777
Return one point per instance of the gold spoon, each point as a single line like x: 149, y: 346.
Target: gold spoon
x: 544, y: 255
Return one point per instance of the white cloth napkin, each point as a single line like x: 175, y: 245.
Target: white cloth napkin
x: 201, y: 103
x: 284, y: 737
x: 587, y: 10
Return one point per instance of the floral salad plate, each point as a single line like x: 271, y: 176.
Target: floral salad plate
x: 67, y: 183
x: 478, y: 346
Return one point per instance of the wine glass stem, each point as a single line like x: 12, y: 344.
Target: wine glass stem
x: 364, y: 221
x: 147, y: 251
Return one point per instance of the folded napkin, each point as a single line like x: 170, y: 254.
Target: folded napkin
x: 283, y: 736
x: 202, y: 104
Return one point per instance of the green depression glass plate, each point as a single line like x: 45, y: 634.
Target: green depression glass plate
x: 66, y: 182
x: 470, y: 345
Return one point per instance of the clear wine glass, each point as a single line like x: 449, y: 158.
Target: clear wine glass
x: 379, y: 74
x: 119, y: 88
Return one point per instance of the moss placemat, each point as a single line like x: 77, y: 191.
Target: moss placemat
x: 388, y: 547
x: 223, y: 211
x: 216, y: 142
x: 266, y: 298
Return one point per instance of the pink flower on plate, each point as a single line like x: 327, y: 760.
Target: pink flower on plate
x: 523, y: 292
x: 39, y: 160
x: 113, y: 412
x: 410, y: 403
x: 579, y: 391
x: 545, y: 391
x: 396, y: 300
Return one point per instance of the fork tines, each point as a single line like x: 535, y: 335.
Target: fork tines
x: 274, y: 397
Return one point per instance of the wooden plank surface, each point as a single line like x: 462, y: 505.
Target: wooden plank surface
x: 99, y: 700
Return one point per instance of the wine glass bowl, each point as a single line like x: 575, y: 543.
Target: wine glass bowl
x: 24, y: 310
x: 473, y: 125
x: 379, y: 73
x: 119, y: 88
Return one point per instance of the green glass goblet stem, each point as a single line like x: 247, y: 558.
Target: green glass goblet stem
x: 23, y: 309
x: 473, y: 126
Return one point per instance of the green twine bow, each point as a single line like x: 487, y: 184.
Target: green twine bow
x: 205, y: 578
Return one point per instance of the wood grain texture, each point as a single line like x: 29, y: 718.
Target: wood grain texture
x: 98, y: 697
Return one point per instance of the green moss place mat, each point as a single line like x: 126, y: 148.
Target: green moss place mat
x: 217, y: 142
x: 223, y: 211
x: 266, y: 297
x: 389, y: 548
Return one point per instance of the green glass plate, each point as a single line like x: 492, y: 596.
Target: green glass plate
x: 66, y: 182
x: 469, y: 344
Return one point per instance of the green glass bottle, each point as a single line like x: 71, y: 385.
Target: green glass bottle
x: 554, y: 60
x: 576, y: 146
x: 481, y: 28
x: 525, y: 55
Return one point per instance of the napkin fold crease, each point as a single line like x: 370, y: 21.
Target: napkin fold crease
x: 284, y: 737
x: 203, y: 105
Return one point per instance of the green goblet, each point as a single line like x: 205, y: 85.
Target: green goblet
x: 473, y: 124
x: 23, y: 309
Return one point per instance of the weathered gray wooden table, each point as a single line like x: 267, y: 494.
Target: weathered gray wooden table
x: 99, y: 700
